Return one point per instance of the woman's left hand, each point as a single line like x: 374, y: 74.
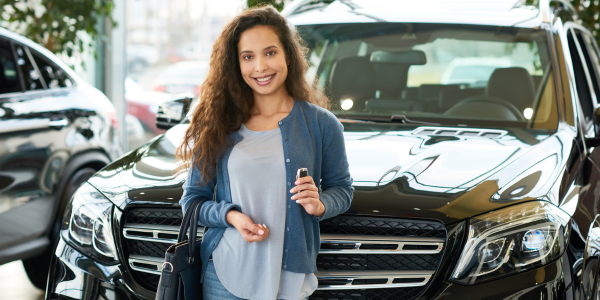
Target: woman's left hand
x: 308, y: 196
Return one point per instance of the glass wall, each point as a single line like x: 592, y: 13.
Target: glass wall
x: 168, y: 47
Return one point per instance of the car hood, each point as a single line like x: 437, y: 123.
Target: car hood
x: 419, y: 172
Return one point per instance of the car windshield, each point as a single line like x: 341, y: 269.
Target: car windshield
x: 438, y: 73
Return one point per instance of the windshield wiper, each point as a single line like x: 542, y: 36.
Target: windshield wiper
x: 355, y: 120
x: 405, y: 120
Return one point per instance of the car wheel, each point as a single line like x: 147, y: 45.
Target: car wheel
x: 37, y: 267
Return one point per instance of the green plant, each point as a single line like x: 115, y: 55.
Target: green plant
x: 278, y: 4
x: 588, y: 12
x: 57, y: 24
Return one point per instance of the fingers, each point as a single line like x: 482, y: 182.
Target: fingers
x: 311, y: 205
x: 251, y: 237
x: 303, y: 187
x: 304, y: 194
x: 305, y: 201
x: 305, y: 179
x: 255, y: 229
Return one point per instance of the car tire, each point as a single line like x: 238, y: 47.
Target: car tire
x: 37, y: 267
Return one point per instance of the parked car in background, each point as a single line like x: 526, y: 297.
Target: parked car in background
x: 182, y: 77
x: 56, y: 131
x: 143, y: 104
x: 460, y: 192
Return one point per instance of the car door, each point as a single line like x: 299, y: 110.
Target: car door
x: 34, y: 104
x: 584, y: 55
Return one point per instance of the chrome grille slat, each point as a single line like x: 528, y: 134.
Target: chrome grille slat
x: 134, y: 260
x: 129, y: 231
x: 389, y: 275
x: 358, y: 240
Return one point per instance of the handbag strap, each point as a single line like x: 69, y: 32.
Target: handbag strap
x: 185, y: 224
x: 194, y: 231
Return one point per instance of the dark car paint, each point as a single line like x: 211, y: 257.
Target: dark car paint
x: 46, y: 136
x: 137, y: 180
x: 480, y: 187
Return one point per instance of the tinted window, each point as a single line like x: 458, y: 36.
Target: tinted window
x: 53, y: 75
x: 31, y: 76
x: 583, y: 89
x: 9, y: 78
x: 593, y: 60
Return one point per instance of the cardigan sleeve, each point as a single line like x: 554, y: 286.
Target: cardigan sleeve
x: 212, y: 214
x: 336, y: 182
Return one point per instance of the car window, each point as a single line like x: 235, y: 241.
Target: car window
x: 584, y: 91
x: 54, y: 76
x: 449, y: 74
x: 593, y: 60
x: 9, y: 77
x: 31, y: 76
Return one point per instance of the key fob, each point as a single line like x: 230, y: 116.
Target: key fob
x: 302, y: 172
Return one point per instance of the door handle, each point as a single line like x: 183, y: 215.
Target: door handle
x: 58, y: 123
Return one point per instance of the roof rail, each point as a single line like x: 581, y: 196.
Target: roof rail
x: 565, y: 5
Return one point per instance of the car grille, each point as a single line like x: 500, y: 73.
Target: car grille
x: 360, y: 258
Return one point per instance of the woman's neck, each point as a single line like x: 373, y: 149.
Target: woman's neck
x: 272, y: 104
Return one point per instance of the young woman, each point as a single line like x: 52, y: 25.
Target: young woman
x: 257, y: 123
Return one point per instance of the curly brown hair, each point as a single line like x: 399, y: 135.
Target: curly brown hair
x: 226, y: 99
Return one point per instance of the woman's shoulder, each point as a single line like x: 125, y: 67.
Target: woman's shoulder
x: 321, y: 114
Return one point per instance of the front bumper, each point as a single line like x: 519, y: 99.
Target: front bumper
x: 75, y: 276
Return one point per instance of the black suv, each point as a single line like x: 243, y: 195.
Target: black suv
x: 471, y: 135
x: 56, y: 131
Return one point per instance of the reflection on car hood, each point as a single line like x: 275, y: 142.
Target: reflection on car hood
x: 412, y: 172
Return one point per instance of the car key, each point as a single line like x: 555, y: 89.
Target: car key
x: 302, y: 172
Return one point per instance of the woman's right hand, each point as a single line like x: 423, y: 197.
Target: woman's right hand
x: 250, y: 232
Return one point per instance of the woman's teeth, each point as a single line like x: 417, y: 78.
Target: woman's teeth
x: 264, y: 78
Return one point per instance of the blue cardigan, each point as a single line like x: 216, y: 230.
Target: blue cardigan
x: 312, y: 138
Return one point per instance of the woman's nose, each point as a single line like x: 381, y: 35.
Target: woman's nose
x: 261, y: 64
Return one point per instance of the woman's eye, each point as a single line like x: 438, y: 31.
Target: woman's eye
x: 247, y: 56
x: 270, y: 52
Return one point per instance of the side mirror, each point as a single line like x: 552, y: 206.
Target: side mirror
x: 173, y: 111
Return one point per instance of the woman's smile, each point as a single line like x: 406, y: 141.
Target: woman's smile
x: 264, y: 80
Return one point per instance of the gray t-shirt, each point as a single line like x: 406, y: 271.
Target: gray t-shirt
x: 256, y: 169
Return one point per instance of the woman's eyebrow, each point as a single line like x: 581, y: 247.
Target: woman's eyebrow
x: 249, y: 51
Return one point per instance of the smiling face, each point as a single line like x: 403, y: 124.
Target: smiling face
x: 262, y: 61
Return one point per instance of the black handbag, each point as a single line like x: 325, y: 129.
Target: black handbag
x: 180, y: 277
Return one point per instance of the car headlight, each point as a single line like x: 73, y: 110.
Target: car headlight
x: 510, y: 240
x: 87, y: 226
